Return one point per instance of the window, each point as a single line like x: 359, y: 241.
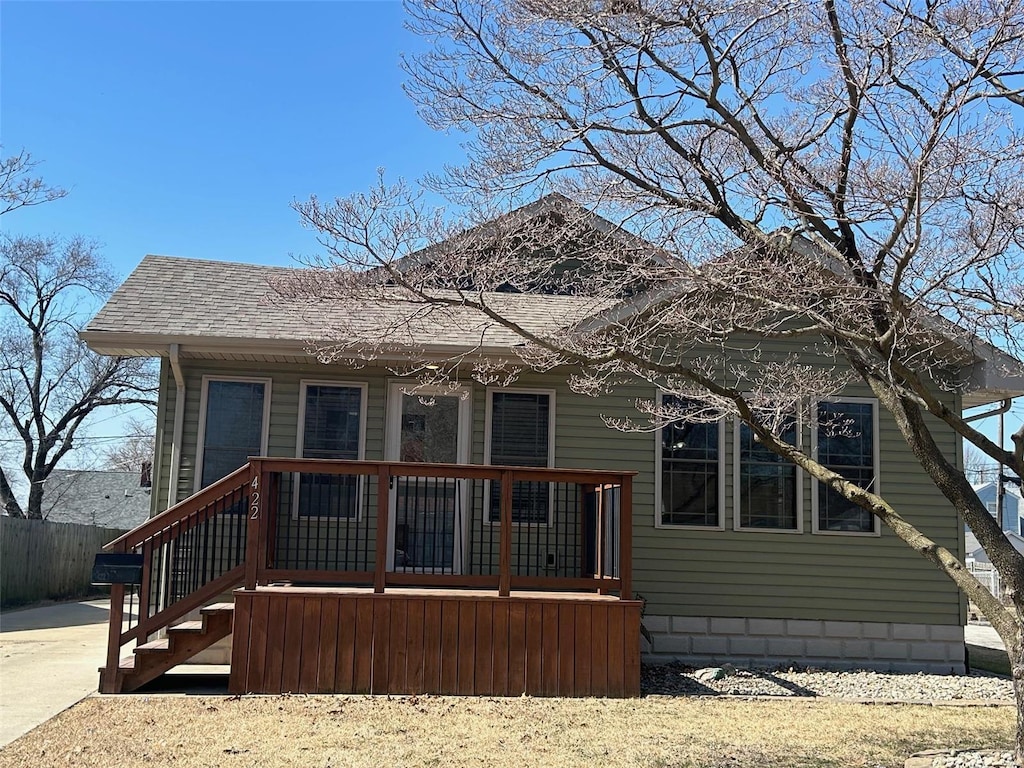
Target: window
x: 767, y: 489
x: 992, y: 507
x: 520, y: 434
x: 234, y: 426
x: 691, y: 460
x: 846, y: 441
x: 332, y: 428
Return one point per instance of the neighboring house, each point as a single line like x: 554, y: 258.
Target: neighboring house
x: 106, y: 499
x: 1013, y: 504
x: 976, y: 555
x: 737, y: 556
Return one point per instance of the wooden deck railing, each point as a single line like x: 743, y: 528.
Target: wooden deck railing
x: 377, y: 523
x: 439, y: 525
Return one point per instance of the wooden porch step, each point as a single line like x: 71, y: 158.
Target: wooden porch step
x: 218, y: 608
x: 183, y: 641
x: 188, y: 626
x: 154, y: 646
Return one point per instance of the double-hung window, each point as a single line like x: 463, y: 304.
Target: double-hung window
x: 846, y: 441
x: 332, y: 428
x: 520, y: 431
x: 691, y: 459
x: 234, y: 426
x: 767, y: 491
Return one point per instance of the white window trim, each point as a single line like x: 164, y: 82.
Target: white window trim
x: 300, y: 439
x: 877, y: 489
x: 737, y: 496
x: 658, y: 501
x: 201, y: 437
x: 488, y: 412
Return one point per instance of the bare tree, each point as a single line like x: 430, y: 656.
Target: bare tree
x: 848, y: 177
x: 134, y: 450
x: 18, y: 188
x: 50, y: 383
x: 978, y: 467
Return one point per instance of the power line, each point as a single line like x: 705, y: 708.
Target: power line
x: 82, y: 438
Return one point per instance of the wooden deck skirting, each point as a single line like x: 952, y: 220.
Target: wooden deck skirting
x: 443, y: 641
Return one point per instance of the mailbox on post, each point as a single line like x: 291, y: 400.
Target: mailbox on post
x: 117, y: 568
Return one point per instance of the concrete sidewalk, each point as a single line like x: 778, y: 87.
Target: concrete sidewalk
x: 49, y: 658
x: 983, y: 635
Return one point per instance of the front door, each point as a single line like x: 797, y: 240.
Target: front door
x: 429, y: 517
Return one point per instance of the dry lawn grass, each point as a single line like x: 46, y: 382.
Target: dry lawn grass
x: 327, y: 732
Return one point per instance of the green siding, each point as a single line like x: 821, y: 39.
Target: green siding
x: 680, y: 572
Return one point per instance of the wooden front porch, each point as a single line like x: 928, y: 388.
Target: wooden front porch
x: 390, y: 577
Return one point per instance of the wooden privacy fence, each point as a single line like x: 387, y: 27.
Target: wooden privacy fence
x: 40, y: 560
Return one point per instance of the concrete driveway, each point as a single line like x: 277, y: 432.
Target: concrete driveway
x: 48, y: 661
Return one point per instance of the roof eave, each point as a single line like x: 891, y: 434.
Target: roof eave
x: 158, y: 345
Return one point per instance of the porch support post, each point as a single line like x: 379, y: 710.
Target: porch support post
x: 111, y: 671
x: 253, y: 523
x: 268, y: 508
x: 626, y: 538
x: 145, y: 584
x: 505, y: 539
x: 383, y: 526
x: 599, y: 537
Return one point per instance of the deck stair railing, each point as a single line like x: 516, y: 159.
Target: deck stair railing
x: 191, y: 553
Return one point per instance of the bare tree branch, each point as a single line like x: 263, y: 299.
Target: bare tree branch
x: 50, y: 384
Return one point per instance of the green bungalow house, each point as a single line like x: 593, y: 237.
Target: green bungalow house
x: 581, y: 521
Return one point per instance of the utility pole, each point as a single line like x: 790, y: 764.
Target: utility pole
x: 1000, y: 484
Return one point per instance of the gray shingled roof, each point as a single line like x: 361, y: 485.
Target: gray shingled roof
x: 90, y: 497
x: 185, y: 300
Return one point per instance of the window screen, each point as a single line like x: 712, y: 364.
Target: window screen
x: 520, y: 424
x: 767, y: 484
x: 689, y: 472
x: 234, y: 427
x: 846, y: 445
x: 330, y: 431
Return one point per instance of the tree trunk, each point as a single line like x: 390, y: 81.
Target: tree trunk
x: 34, y: 508
x: 8, y: 502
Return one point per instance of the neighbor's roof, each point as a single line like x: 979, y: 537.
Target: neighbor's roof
x: 974, y: 549
x: 226, y: 305
x: 1011, y: 489
x: 106, y: 499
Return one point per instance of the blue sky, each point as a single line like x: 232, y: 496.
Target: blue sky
x: 187, y: 128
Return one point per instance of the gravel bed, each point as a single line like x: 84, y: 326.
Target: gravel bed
x: 676, y: 679
x: 974, y: 759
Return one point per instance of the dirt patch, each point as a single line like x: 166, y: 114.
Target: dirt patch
x: 330, y: 731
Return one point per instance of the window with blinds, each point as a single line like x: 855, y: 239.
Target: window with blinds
x: 520, y: 430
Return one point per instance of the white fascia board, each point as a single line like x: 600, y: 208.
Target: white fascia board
x: 156, y: 345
